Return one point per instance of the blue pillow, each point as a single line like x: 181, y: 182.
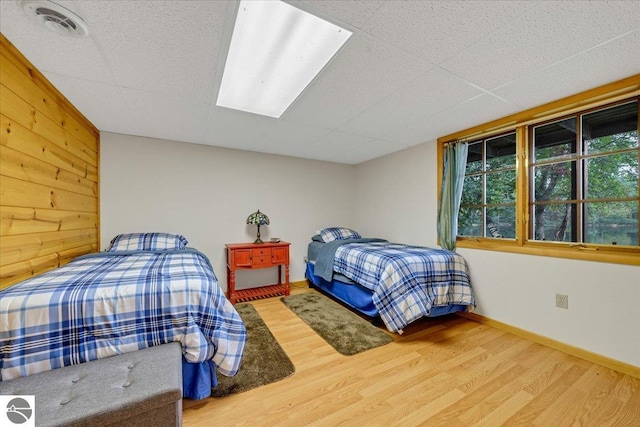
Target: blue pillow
x: 338, y: 233
x: 147, y: 242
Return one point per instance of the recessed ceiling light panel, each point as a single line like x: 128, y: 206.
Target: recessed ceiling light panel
x: 276, y: 50
x: 56, y: 18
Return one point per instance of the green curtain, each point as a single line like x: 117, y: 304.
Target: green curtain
x: 455, y: 162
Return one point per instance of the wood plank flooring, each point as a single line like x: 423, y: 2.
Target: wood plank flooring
x: 447, y: 371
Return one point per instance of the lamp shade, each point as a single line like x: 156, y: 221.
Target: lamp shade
x: 258, y: 218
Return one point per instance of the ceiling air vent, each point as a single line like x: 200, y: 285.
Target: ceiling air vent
x: 55, y: 17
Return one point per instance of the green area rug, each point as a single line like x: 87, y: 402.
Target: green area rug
x: 264, y: 361
x: 344, y: 330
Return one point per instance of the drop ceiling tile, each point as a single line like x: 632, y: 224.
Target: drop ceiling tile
x: 323, y: 148
x: 432, y: 92
x: 165, y: 117
x: 50, y: 52
x: 354, y: 13
x: 292, y: 139
x: 341, y: 147
x: 436, y: 30
x: 363, y: 72
x: 103, y: 105
x: 163, y: 47
x: 237, y: 129
x: 606, y: 63
x: 334, y: 145
x: 548, y: 34
x: 478, y: 110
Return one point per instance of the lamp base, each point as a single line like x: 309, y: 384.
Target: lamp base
x: 258, y: 240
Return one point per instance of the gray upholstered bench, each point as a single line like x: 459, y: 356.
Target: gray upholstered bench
x: 141, y: 388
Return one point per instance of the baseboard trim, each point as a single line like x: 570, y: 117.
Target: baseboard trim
x: 598, y: 359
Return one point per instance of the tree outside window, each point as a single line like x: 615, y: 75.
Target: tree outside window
x: 584, y: 178
x: 488, y: 206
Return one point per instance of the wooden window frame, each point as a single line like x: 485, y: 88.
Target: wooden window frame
x: 625, y: 89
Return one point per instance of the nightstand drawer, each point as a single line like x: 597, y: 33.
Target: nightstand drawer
x: 262, y: 252
x: 261, y: 260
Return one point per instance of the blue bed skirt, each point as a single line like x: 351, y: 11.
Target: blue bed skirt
x: 353, y: 295
x: 198, y: 379
x: 360, y: 298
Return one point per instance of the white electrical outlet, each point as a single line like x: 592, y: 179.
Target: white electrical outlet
x: 562, y: 301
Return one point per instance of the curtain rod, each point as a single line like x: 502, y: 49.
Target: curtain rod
x: 456, y: 141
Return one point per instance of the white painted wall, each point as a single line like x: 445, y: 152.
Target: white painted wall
x: 206, y: 194
x: 396, y: 198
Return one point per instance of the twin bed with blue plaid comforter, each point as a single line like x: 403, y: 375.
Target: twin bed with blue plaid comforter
x: 110, y: 303
x: 405, y: 282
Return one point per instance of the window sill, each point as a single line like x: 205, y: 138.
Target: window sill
x: 621, y: 255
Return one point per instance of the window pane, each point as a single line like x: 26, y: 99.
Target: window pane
x: 474, y: 158
x: 554, y: 222
x: 554, y: 182
x: 501, y: 222
x: 472, y: 190
x: 501, y: 152
x: 555, y: 139
x: 490, y: 178
x: 612, y: 223
x: 611, y: 129
x: 612, y: 142
x: 470, y: 222
x: 501, y: 187
x: 613, y: 176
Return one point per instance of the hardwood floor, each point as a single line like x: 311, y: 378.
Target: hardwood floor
x: 447, y: 371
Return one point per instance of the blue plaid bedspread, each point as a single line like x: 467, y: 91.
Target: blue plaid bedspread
x: 110, y: 303
x: 407, y: 281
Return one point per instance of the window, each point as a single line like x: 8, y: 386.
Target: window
x: 584, y: 183
x: 488, y: 206
x: 557, y: 180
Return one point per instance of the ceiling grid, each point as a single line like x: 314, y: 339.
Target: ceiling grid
x: 413, y: 71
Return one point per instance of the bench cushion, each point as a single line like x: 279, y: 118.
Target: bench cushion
x: 139, y: 388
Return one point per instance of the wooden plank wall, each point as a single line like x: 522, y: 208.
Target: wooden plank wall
x: 49, y: 173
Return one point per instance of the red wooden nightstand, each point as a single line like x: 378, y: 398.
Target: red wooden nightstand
x: 250, y: 256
